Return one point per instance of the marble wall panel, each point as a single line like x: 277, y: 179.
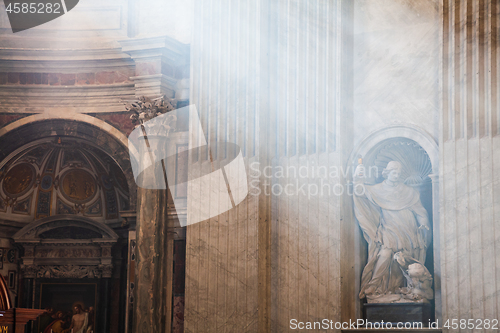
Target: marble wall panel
x: 222, y: 252
x: 396, y: 65
x: 469, y: 148
x: 92, y: 18
x: 266, y: 75
x: 306, y: 268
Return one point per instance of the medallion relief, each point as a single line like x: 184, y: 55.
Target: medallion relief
x: 19, y: 179
x: 78, y: 185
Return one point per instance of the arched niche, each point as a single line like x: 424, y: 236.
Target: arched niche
x: 419, y: 154
x: 402, y: 131
x: 66, y: 246
x: 62, y: 175
x: 21, y: 133
x: 68, y: 250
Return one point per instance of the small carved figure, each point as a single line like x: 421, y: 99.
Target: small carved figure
x: 418, y: 279
x: 88, y: 189
x: 72, y: 189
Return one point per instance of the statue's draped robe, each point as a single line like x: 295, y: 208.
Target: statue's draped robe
x: 389, y: 217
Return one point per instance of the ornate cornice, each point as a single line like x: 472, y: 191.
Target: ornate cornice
x: 77, y: 99
x: 164, y: 46
x: 67, y: 271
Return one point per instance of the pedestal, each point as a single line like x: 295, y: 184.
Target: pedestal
x: 398, y: 313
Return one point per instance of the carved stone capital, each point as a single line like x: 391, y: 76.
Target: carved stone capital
x: 145, y: 109
x: 29, y: 271
x: 106, y: 270
x: 29, y: 251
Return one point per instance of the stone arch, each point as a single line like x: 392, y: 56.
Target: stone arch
x: 404, y: 131
x: 111, y: 140
x: 31, y: 232
x: 365, y: 148
x: 67, y: 116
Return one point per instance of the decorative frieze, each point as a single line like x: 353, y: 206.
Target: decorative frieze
x: 67, y: 271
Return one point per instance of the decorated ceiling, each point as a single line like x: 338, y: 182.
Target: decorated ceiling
x: 60, y: 176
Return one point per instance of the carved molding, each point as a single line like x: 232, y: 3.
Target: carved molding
x: 67, y: 271
x: 31, y: 232
x: 29, y: 271
x: 84, y: 99
x: 63, y: 252
x: 107, y: 270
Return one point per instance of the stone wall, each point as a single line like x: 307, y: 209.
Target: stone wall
x: 396, y: 65
x: 395, y: 95
x: 266, y: 75
x: 222, y: 267
x: 469, y: 155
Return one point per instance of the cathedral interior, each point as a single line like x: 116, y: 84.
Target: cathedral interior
x: 196, y: 166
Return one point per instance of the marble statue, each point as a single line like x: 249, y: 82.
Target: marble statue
x: 395, y: 225
x: 418, y: 279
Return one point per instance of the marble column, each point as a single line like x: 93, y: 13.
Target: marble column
x: 103, y: 309
x: 151, y: 308
x: 161, y: 68
x: 438, y: 306
x: 470, y: 160
x: 153, y: 275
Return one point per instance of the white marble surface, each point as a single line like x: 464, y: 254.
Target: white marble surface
x: 470, y: 160
x: 396, y: 59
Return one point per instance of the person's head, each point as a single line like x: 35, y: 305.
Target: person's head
x: 392, y: 171
x: 77, y: 308
x: 59, y: 314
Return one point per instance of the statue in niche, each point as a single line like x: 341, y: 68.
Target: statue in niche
x: 397, y: 229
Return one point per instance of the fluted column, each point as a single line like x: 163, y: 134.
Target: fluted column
x: 150, y: 308
x: 266, y: 75
x: 154, y: 250
x: 469, y: 155
x: 161, y: 69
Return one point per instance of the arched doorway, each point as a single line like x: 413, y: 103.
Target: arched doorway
x: 67, y: 261
x: 75, y: 178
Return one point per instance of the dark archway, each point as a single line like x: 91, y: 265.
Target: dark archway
x: 24, y: 134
